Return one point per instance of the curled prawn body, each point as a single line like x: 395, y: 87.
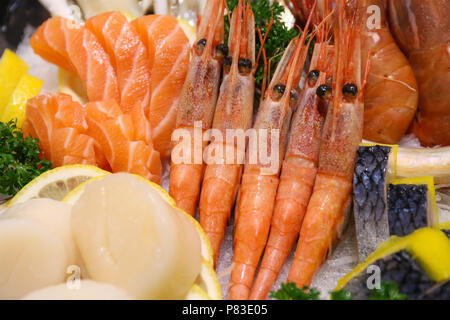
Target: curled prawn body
x: 260, y: 180
x: 342, y: 133
x: 391, y: 93
x: 298, y: 173
x: 233, y: 113
x: 422, y: 29
x: 197, y: 104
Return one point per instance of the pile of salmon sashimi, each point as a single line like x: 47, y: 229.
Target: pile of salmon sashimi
x: 133, y: 73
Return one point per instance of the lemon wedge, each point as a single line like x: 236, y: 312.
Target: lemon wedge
x: 188, y: 29
x: 208, y: 282
x: 197, y: 293
x: 71, y: 84
x: 27, y: 88
x: 56, y: 183
x: 12, y: 68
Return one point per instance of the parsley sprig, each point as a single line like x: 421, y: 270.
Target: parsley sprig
x: 19, y: 159
x: 289, y: 291
x: 387, y: 291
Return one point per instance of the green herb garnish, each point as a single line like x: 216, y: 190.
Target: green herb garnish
x: 341, y: 295
x: 279, y: 34
x: 387, y: 291
x: 289, y: 291
x: 19, y: 159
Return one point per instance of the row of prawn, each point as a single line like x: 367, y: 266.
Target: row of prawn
x: 320, y: 130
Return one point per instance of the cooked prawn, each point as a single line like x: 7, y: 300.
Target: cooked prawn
x: 258, y: 187
x: 342, y: 133
x: 298, y: 171
x: 197, y: 104
x: 391, y: 93
x: 234, y: 110
x: 422, y: 29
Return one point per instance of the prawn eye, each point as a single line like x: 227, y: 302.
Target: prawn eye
x: 227, y: 61
x: 278, y: 91
x: 324, y: 91
x: 350, y: 90
x: 245, y: 65
x: 200, y: 46
x: 221, y: 50
x: 313, y: 76
x: 293, y: 95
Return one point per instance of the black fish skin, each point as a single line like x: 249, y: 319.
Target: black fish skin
x: 447, y: 233
x: 407, y: 208
x: 411, y: 280
x: 402, y: 269
x: 369, y: 194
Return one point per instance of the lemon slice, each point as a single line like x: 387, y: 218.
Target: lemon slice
x: 91, y: 8
x: 197, y: 293
x: 208, y: 282
x: 188, y: 29
x: 12, y: 68
x: 27, y: 88
x: 56, y: 183
x: 71, y: 84
x: 206, y: 286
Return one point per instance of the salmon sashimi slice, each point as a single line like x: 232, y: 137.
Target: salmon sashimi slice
x: 59, y: 124
x: 129, y: 58
x: 73, y: 47
x: 169, y: 51
x: 39, y: 122
x: 114, y: 133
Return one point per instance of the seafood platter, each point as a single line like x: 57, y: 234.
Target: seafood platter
x: 225, y: 149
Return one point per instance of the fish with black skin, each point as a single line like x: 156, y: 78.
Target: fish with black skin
x: 373, y: 171
x: 419, y: 264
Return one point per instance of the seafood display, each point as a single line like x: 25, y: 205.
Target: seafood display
x: 236, y: 149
